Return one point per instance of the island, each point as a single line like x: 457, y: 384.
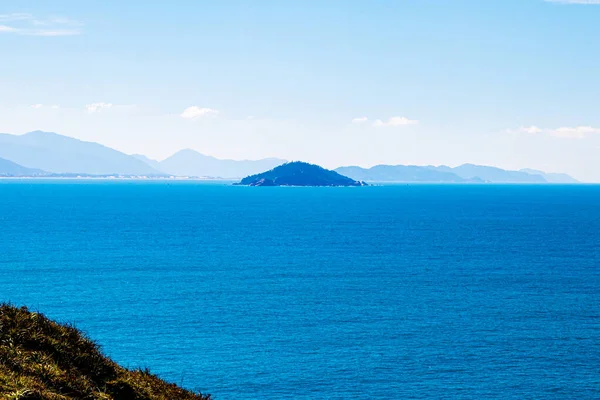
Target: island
x: 41, y: 359
x: 299, y: 173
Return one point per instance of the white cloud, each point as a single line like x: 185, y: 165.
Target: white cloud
x: 195, y: 112
x: 7, y: 29
x: 565, y: 132
x: 57, y: 32
x: 395, y: 121
x: 38, y: 106
x: 56, y: 21
x: 15, y: 17
x: 29, y: 25
x: 578, y: 132
x: 531, y: 129
x: 574, y: 1
x: 97, y: 107
x: 359, y: 120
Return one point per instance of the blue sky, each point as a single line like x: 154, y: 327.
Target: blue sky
x: 511, y: 83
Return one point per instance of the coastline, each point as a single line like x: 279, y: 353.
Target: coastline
x: 233, y: 180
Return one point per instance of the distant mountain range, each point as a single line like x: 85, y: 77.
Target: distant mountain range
x: 491, y: 174
x: 466, y: 173
x: 40, y: 153
x: 152, y: 163
x: 402, y: 173
x: 51, y: 154
x: 9, y: 168
x: 551, y: 178
x: 191, y: 163
x: 59, y: 154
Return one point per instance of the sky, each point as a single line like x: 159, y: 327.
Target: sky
x: 508, y: 83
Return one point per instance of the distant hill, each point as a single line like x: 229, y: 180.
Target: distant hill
x: 152, y: 163
x: 59, y: 154
x: 9, y: 168
x: 49, y: 154
x: 299, y: 174
x: 191, y: 163
x: 551, y: 177
x: 41, y: 359
x: 491, y: 174
x: 461, y: 174
x: 401, y: 173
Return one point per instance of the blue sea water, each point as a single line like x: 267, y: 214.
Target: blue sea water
x: 389, y: 292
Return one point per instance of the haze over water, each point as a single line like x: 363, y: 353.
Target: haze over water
x: 405, y: 291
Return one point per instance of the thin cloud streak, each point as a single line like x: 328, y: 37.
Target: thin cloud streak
x: 52, y: 33
x: 7, y: 29
x: 195, y: 112
x: 39, y: 106
x: 395, y: 122
x: 15, y: 17
x: 97, y: 107
x: 360, y: 120
x: 565, y: 132
x: 25, y: 24
x: 588, y: 2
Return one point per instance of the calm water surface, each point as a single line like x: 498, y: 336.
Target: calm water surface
x: 408, y: 291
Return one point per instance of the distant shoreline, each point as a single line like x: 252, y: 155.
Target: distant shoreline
x: 110, y: 178
x: 222, y: 180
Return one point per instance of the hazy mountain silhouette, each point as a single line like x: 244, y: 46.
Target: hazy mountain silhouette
x: 55, y: 153
x: 45, y: 153
x: 152, y: 163
x: 9, y: 168
x: 401, y: 173
x: 299, y: 174
x: 551, y: 177
x: 191, y: 163
x: 491, y: 174
x: 461, y: 174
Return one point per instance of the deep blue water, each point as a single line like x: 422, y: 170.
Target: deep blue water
x: 408, y: 291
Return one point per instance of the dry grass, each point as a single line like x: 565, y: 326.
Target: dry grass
x: 40, y: 359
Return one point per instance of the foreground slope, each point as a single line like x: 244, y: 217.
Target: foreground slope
x: 299, y: 174
x: 40, y: 359
x: 59, y: 154
x: 9, y: 168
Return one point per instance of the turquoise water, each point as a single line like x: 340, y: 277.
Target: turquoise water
x: 390, y: 292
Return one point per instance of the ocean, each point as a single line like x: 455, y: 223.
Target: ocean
x: 381, y: 292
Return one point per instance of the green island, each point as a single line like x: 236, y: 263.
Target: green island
x: 43, y: 360
x: 299, y: 173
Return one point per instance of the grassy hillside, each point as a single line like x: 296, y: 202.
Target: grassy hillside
x: 40, y: 359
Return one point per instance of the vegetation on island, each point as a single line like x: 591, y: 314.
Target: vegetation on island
x: 299, y: 173
x: 43, y: 360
